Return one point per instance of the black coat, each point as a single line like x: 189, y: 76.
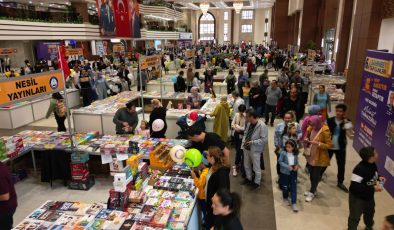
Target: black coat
x: 218, y: 180
x: 342, y: 140
x: 158, y: 113
x: 297, y: 106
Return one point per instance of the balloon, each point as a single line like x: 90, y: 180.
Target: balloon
x: 173, y: 79
x: 177, y: 153
x: 193, y: 157
x: 157, y: 125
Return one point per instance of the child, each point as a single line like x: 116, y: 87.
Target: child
x: 290, y: 132
x: 238, y: 125
x: 288, y: 161
x: 365, y: 181
x: 200, y: 182
x: 143, y: 129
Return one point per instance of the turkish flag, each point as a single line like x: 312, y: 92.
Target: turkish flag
x: 63, y: 62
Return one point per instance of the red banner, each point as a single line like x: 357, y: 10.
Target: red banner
x: 119, y: 18
x: 63, y: 62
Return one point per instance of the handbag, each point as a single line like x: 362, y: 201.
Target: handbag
x: 307, y: 150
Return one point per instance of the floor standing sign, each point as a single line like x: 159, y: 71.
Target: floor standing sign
x: 375, y: 114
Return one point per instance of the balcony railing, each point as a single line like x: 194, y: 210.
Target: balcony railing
x: 15, y: 14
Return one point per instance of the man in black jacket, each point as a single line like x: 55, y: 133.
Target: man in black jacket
x: 293, y: 102
x: 338, y: 126
x: 180, y: 84
x: 365, y: 182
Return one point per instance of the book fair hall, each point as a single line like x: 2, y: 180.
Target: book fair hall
x: 196, y: 114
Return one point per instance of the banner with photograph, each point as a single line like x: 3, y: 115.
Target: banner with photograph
x: 119, y: 18
x: 375, y: 114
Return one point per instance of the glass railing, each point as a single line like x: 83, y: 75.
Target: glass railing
x: 15, y: 14
x: 161, y: 3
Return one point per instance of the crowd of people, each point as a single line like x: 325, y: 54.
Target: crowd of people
x: 257, y: 104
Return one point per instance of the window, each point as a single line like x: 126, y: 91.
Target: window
x: 247, y: 14
x: 225, y: 32
x: 246, y: 29
x: 207, y: 27
x: 225, y: 15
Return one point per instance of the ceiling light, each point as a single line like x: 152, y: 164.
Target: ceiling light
x: 204, y: 6
x: 30, y: 2
x: 238, y: 6
x: 41, y: 3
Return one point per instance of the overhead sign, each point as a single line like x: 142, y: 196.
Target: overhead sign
x: 7, y: 51
x: 17, y: 89
x: 118, y: 48
x: 190, y: 53
x: 74, y: 52
x: 149, y: 61
x: 375, y: 114
x: 185, y: 36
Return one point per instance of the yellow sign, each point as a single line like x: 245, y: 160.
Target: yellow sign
x: 379, y: 67
x: 7, y: 51
x: 72, y: 52
x: 118, y: 48
x: 22, y: 88
x: 190, y: 53
x: 149, y: 61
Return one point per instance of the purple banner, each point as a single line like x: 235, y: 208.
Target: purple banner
x: 375, y: 114
x: 47, y: 50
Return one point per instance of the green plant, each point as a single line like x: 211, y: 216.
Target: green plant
x: 310, y: 45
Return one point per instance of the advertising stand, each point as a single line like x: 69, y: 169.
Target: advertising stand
x: 375, y: 115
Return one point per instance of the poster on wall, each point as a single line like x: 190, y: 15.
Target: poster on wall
x: 375, y: 113
x: 119, y: 18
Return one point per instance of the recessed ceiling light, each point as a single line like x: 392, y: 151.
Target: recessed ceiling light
x: 30, y: 2
x: 41, y: 3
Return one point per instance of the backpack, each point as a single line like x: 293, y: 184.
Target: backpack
x: 61, y: 108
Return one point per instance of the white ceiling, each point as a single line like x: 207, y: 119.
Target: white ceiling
x: 224, y: 4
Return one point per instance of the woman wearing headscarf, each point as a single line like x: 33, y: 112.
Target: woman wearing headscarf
x: 194, y: 99
x: 318, y: 139
x: 158, y: 112
x: 221, y: 122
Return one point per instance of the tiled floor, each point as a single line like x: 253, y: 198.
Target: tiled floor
x: 262, y: 209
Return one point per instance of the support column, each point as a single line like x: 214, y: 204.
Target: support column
x: 367, y: 21
x: 344, y: 35
x: 82, y: 9
x: 280, y: 20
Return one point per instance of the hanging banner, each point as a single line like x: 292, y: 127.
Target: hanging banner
x: 74, y: 52
x: 100, y: 51
x: 30, y: 86
x: 375, y: 115
x: 8, y: 51
x: 149, y: 61
x: 119, y: 18
x: 190, y: 53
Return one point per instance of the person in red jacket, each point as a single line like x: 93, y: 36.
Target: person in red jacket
x: 250, y: 68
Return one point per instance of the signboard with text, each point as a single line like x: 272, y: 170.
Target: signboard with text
x: 7, y: 51
x: 375, y: 115
x: 73, y: 52
x: 149, y: 61
x: 190, y: 53
x: 17, y: 89
x: 118, y: 48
